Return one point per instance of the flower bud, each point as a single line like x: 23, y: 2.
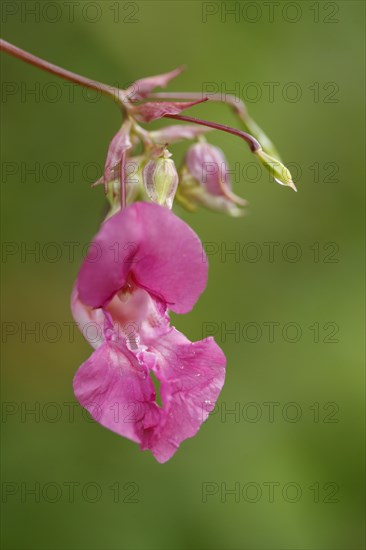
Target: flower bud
x: 205, y: 180
x: 161, y: 179
x: 280, y: 173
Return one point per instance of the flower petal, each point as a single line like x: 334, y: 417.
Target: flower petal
x: 118, y: 393
x: 191, y: 377
x: 159, y: 250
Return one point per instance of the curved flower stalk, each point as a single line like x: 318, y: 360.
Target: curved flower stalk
x: 239, y: 109
x: 149, y: 262
x: 160, y: 265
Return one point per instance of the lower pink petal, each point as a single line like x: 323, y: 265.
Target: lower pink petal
x: 115, y: 388
x: 191, y: 376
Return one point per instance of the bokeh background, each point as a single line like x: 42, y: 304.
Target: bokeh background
x: 310, y: 451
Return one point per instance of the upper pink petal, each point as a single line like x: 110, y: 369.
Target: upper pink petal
x: 160, y: 251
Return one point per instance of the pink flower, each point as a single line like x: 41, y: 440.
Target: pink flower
x: 143, y: 261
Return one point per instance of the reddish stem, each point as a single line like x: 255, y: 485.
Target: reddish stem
x: 123, y: 180
x: 237, y: 105
x: 254, y: 145
x: 54, y: 69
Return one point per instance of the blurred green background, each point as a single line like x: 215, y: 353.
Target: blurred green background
x: 314, y: 439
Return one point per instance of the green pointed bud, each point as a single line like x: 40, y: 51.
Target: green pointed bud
x: 161, y: 179
x: 280, y: 173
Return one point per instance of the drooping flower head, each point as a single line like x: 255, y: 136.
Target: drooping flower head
x: 149, y: 261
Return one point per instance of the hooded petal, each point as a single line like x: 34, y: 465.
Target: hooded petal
x: 148, y: 242
x: 115, y: 388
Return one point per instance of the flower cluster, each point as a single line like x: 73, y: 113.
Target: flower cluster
x: 163, y: 265
x: 139, y: 165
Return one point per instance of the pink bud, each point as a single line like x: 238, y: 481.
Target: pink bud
x: 205, y: 180
x: 207, y: 165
